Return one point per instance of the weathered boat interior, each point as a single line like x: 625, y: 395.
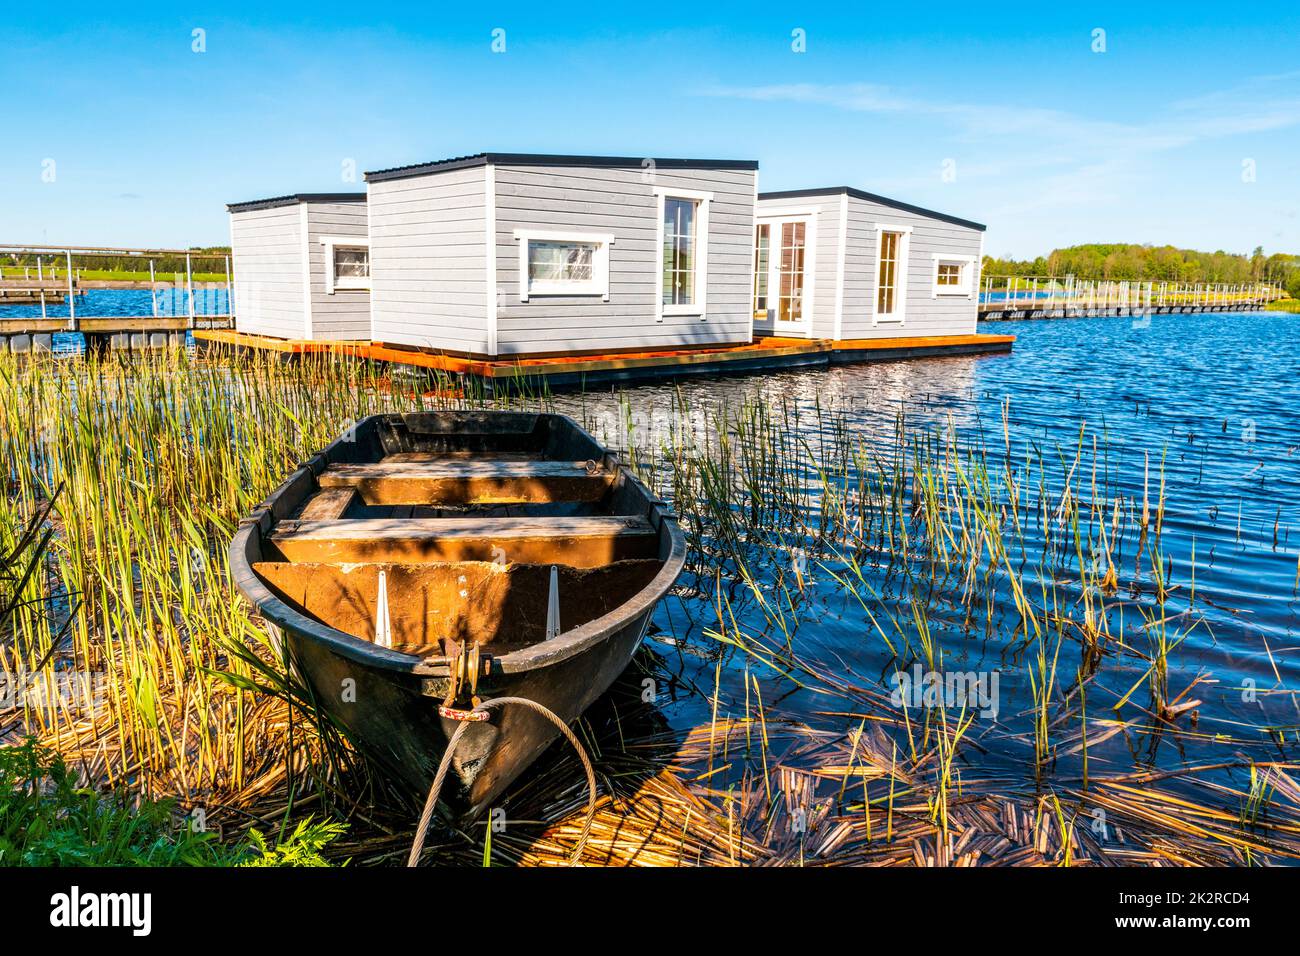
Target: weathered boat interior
x: 497, y: 536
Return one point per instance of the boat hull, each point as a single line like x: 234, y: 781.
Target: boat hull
x: 396, y: 723
x: 386, y: 699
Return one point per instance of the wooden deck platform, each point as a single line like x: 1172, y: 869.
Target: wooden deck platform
x: 762, y: 354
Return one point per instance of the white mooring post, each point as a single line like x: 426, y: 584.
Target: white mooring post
x: 153, y: 290
x: 72, y: 305
x: 189, y: 288
x: 230, y: 296
x: 383, y: 622
x: 553, y: 606
x: 40, y: 279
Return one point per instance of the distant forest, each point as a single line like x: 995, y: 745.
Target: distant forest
x: 1127, y: 261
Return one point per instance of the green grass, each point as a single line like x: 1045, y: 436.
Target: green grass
x: 121, y: 275
x: 48, y: 819
x: 1285, y: 305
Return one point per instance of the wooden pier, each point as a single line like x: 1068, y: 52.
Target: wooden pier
x: 52, y: 276
x: 33, y: 292
x: 1055, y: 297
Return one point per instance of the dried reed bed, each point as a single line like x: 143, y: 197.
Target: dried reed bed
x: 852, y: 799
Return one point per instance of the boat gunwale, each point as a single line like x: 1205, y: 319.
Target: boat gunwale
x: 542, y: 654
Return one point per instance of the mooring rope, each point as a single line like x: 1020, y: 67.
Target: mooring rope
x: 422, y: 829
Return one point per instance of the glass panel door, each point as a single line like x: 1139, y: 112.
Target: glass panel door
x: 781, y: 292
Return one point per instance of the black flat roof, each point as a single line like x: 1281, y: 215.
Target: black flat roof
x: 549, y: 159
x: 872, y: 197
x: 293, y: 200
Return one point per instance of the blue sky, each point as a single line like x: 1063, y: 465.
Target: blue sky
x: 1040, y: 137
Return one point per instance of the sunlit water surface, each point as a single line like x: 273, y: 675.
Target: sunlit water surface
x: 1213, y: 397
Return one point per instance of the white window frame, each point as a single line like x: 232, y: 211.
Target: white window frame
x: 899, y: 315
x: 347, y: 284
x: 597, y: 285
x: 700, y: 307
x: 965, y: 288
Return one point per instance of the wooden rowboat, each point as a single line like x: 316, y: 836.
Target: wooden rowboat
x: 417, y: 565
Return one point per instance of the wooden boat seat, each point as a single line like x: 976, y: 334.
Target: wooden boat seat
x: 432, y: 605
x: 581, y: 542
x: 454, y: 481
x: 328, y: 504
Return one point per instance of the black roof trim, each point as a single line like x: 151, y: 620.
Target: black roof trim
x: 549, y: 159
x: 275, y: 201
x: 872, y: 197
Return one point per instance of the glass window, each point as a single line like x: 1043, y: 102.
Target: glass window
x: 952, y: 276
x: 680, y: 217
x: 949, y: 275
x: 563, y: 263
x: 560, y: 262
x: 887, y: 277
x: 762, y: 241
x: 351, y: 266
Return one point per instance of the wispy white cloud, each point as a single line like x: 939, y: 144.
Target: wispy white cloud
x: 1075, y: 158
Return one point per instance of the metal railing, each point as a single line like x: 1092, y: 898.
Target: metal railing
x: 52, y: 276
x: 1070, y: 294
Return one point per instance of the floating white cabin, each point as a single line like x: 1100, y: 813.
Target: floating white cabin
x: 507, y: 254
x: 300, y: 266
x: 512, y: 255
x: 839, y: 263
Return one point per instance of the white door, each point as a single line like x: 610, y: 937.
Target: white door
x: 782, y: 301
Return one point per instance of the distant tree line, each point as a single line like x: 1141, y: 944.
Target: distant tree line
x: 1131, y: 262
x: 119, y: 262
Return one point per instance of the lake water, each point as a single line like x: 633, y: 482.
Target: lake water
x: 1212, y: 397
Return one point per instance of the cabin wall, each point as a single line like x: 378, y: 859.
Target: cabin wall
x: 621, y: 202
x: 266, y: 254
x: 428, y: 261
x: 345, y: 313
x: 925, y: 313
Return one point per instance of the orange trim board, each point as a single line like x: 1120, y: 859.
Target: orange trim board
x: 765, y: 348
x: 921, y: 342
x: 267, y: 343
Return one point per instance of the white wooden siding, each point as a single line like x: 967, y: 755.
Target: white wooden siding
x: 854, y: 290
x: 924, y: 314
x: 266, y: 256
x: 621, y: 202
x: 346, y: 313
x: 428, y: 251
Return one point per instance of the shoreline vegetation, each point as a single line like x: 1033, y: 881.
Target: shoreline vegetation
x: 125, y: 479
x: 1133, y: 262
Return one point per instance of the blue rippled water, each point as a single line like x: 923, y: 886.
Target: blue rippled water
x: 1208, y: 400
